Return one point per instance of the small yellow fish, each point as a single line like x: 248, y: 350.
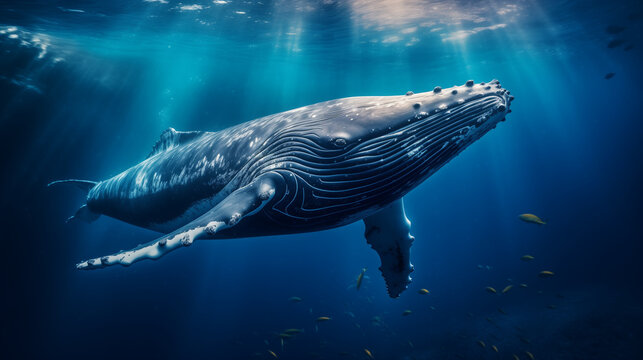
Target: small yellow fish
x: 523, y: 285
x: 494, y: 348
x: 527, y: 258
x: 546, y: 274
x: 369, y: 353
x: 490, y: 290
x: 360, y: 277
x: 322, y: 318
x: 423, y: 291
x: 530, y: 355
x: 273, y: 354
x: 507, y: 288
x: 481, y: 343
x: 285, y: 336
x: 515, y: 357
x: 295, y: 299
x: 531, y: 218
x: 293, y: 331
x: 407, y: 312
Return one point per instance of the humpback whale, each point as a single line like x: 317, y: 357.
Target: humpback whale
x: 309, y: 169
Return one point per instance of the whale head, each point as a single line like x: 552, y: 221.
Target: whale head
x: 404, y: 139
x: 354, y: 155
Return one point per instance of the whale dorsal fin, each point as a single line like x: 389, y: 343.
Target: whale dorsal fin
x: 171, y: 138
x: 388, y: 232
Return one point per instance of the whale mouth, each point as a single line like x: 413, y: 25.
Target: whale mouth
x: 486, y: 113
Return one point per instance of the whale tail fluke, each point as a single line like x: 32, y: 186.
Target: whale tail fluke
x: 84, y: 185
x: 83, y: 213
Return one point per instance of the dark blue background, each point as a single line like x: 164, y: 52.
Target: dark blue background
x: 111, y: 78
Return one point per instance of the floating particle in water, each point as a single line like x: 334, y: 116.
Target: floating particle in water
x: 360, y: 277
x: 546, y: 274
x: 531, y: 218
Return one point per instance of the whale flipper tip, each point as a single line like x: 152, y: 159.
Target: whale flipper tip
x: 387, y: 231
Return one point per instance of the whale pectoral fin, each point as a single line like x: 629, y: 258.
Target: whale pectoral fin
x: 387, y: 231
x: 228, y: 213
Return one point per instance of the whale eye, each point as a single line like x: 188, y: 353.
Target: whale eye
x: 339, y: 142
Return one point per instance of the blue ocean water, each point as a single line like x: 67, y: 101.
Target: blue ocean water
x: 86, y: 87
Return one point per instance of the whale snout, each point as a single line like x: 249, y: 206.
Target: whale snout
x: 492, y: 88
x: 505, y: 95
x: 483, y: 101
x: 457, y: 116
x: 488, y: 103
